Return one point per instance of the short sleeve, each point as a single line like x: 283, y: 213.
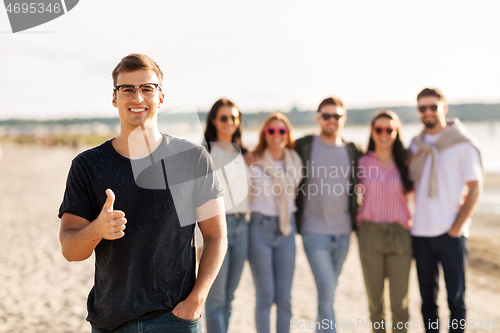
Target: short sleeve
x: 471, y: 164
x: 207, y: 185
x: 76, y: 199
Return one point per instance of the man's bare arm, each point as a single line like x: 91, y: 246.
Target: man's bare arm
x: 467, y: 209
x: 214, y: 233
x: 79, y: 236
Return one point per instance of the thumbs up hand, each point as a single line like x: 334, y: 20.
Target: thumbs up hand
x: 110, y: 223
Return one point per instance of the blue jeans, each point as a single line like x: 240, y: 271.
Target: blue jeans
x: 272, y: 260
x: 218, y: 304
x: 326, y: 255
x: 452, y: 253
x: 164, y: 323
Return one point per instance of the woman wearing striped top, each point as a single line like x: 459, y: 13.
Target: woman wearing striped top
x: 384, y: 221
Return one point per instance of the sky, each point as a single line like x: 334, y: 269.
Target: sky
x: 263, y: 55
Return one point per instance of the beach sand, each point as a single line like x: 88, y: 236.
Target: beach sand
x: 41, y: 292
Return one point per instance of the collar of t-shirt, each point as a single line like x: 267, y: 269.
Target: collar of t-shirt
x: 432, y: 138
x: 280, y: 164
x: 325, y: 145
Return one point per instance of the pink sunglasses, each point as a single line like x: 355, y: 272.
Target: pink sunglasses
x: 271, y: 130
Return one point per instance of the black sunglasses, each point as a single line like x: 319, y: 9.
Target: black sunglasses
x: 225, y: 119
x: 433, y: 107
x: 327, y: 116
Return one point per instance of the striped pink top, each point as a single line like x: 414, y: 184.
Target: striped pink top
x: 384, y: 200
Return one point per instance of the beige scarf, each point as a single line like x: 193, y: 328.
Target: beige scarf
x: 286, y: 180
x: 455, y: 134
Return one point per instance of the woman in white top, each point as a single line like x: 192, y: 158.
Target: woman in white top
x: 272, y: 224
x: 223, y: 139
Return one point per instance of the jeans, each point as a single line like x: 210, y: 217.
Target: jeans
x: 452, y: 253
x: 218, y: 304
x: 272, y: 260
x: 164, y: 323
x: 326, y: 255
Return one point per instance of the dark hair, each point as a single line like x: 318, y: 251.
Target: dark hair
x: 137, y: 61
x: 211, y: 131
x: 399, y: 152
x: 330, y: 101
x: 431, y: 92
x: 262, y: 145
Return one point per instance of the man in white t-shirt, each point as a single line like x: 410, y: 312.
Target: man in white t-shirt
x: 446, y: 167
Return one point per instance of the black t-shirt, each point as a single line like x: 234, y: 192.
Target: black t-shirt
x: 152, y: 268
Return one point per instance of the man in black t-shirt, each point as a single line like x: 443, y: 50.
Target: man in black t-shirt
x: 157, y: 186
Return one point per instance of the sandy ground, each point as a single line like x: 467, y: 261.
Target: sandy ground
x: 41, y: 292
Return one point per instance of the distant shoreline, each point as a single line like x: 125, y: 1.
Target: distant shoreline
x: 408, y: 114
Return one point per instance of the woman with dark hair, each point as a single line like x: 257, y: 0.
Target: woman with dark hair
x: 272, y: 224
x: 223, y: 124
x: 223, y: 139
x: 384, y: 221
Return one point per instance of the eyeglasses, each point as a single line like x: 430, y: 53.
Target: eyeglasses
x: 271, y: 130
x: 380, y: 130
x: 225, y: 119
x: 327, y: 116
x: 433, y: 107
x: 146, y: 89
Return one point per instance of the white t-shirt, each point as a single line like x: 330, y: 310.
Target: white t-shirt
x: 235, y: 181
x: 456, y: 166
x: 263, y: 194
x: 237, y: 174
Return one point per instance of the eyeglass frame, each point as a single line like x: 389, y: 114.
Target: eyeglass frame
x: 421, y: 109
x: 335, y: 116
x: 379, y: 130
x: 233, y: 118
x: 276, y: 130
x: 156, y: 85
